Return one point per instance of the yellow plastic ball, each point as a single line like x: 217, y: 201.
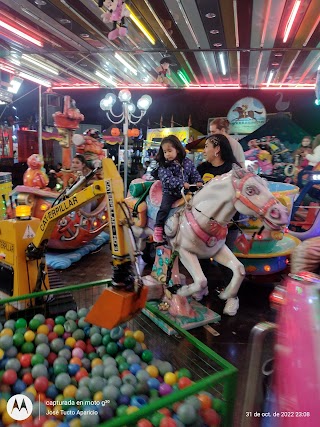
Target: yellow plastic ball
x: 152, y: 371
x: 32, y: 390
x: 6, y: 331
x: 132, y: 409
x: 3, y: 405
x: 143, y: 346
x: 98, y: 396
x: 43, y: 329
x: 70, y: 342
x: 75, y: 422
x: 1, y: 353
x: 139, y: 336
x: 6, y: 419
x: 70, y: 391
x: 170, y: 378
x: 29, y: 336
x: 96, y: 362
x: 128, y: 333
x: 50, y: 423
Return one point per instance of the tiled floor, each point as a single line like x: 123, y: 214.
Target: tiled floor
x: 229, y: 338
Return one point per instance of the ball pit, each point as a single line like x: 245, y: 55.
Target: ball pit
x: 79, y: 375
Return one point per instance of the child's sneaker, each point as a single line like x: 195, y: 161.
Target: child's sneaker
x: 158, y: 234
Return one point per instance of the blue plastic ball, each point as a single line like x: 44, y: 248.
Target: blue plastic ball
x: 19, y: 387
x: 138, y: 401
x: 73, y: 368
x: 123, y: 400
x: 134, y: 368
x: 153, y: 383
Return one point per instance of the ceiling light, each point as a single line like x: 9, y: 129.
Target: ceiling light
x: 217, y: 44
x: 40, y: 2
x: 84, y: 36
x: 222, y: 63
x: 39, y: 64
x: 291, y: 20
x: 103, y: 77
x: 125, y: 63
x: 210, y: 15
x: 271, y: 74
x: 275, y: 64
x: 214, y: 32
x: 19, y: 33
x: 183, y: 77
x: 35, y: 79
x: 140, y: 25
x: 278, y: 54
x: 15, y: 84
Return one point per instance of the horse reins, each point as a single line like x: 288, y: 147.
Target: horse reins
x: 238, y: 189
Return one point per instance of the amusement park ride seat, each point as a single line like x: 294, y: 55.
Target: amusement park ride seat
x: 306, y: 222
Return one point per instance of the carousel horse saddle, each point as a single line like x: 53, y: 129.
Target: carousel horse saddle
x: 154, y: 201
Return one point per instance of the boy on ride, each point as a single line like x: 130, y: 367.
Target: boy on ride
x: 175, y: 171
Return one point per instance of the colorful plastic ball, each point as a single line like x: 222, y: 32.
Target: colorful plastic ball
x: 19, y: 386
x: 129, y: 342
x: 73, y: 368
x: 77, y: 352
x: 21, y: 323
x: 39, y: 371
x: 138, y: 336
x: 37, y: 359
x: 156, y: 419
x: 165, y: 389
x: 112, y: 348
x: 82, y: 373
x: 210, y: 417
x: 184, y: 372
x: 70, y: 391
x: 147, y: 356
x: 27, y: 378
x: 34, y: 324
x: 153, y: 383
x: 184, y: 382
x: 9, y: 377
x: 29, y: 336
x: 58, y: 329
x: 52, y: 391
x: 152, y: 371
x: 52, y: 336
x: 43, y: 329
x: 167, y: 422
x: 170, y: 378
x: 59, y: 320
x: 62, y: 380
x: 41, y: 338
x: 134, y: 368
x: 205, y: 400
x: 41, y: 384
x: 18, y: 339
x: 187, y: 414
x: 116, y: 333
x: 144, y: 423
x: 27, y: 347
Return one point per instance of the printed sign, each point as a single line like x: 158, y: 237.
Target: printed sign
x: 246, y: 116
x: 29, y: 233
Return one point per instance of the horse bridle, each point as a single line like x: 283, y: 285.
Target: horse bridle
x: 238, y: 186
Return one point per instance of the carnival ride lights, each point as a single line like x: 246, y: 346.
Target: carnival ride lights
x: 128, y: 108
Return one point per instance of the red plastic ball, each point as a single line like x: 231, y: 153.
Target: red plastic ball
x: 39, y: 421
x: 49, y: 321
x: 144, y: 423
x: 81, y: 344
x: 25, y: 360
x: 51, y: 358
x: 165, y: 411
x: 89, y: 348
x: 52, y: 336
x: 41, y: 384
x: 9, y: 377
x: 81, y: 374
x: 210, y: 417
x: 167, y: 422
x: 27, y: 378
x: 184, y: 382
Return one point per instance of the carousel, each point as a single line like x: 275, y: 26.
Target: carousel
x: 81, y: 226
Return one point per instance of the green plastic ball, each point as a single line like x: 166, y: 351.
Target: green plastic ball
x: 112, y: 348
x: 34, y: 324
x: 27, y: 347
x: 18, y: 339
x: 21, y: 323
x: 129, y: 342
x: 147, y: 356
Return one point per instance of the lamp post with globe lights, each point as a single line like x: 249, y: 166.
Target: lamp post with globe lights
x: 127, y: 116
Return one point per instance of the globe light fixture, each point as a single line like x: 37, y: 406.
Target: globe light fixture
x: 127, y: 116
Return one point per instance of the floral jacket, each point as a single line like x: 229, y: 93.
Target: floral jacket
x: 173, y: 175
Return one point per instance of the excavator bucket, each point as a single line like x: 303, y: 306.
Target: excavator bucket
x: 114, y: 307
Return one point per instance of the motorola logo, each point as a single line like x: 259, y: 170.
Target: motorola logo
x: 19, y: 407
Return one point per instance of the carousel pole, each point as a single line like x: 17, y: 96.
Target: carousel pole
x: 40, y: 149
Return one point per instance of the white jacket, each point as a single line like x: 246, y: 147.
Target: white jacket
x: 314, y: 158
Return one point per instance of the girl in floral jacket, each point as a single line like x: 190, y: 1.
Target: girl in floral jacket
x: 175, y: 172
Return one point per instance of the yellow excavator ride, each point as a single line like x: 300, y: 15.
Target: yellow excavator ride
x: 23, y: 242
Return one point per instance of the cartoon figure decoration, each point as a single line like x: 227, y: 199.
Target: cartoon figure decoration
x: 262, y: 157
x: 71, y: 116
x: 164, y: 71
x: 116, y: 13
x: 34, y: 175
x: 90, y: 146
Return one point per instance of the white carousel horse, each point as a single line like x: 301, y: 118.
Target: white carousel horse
x: 201, y: 228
